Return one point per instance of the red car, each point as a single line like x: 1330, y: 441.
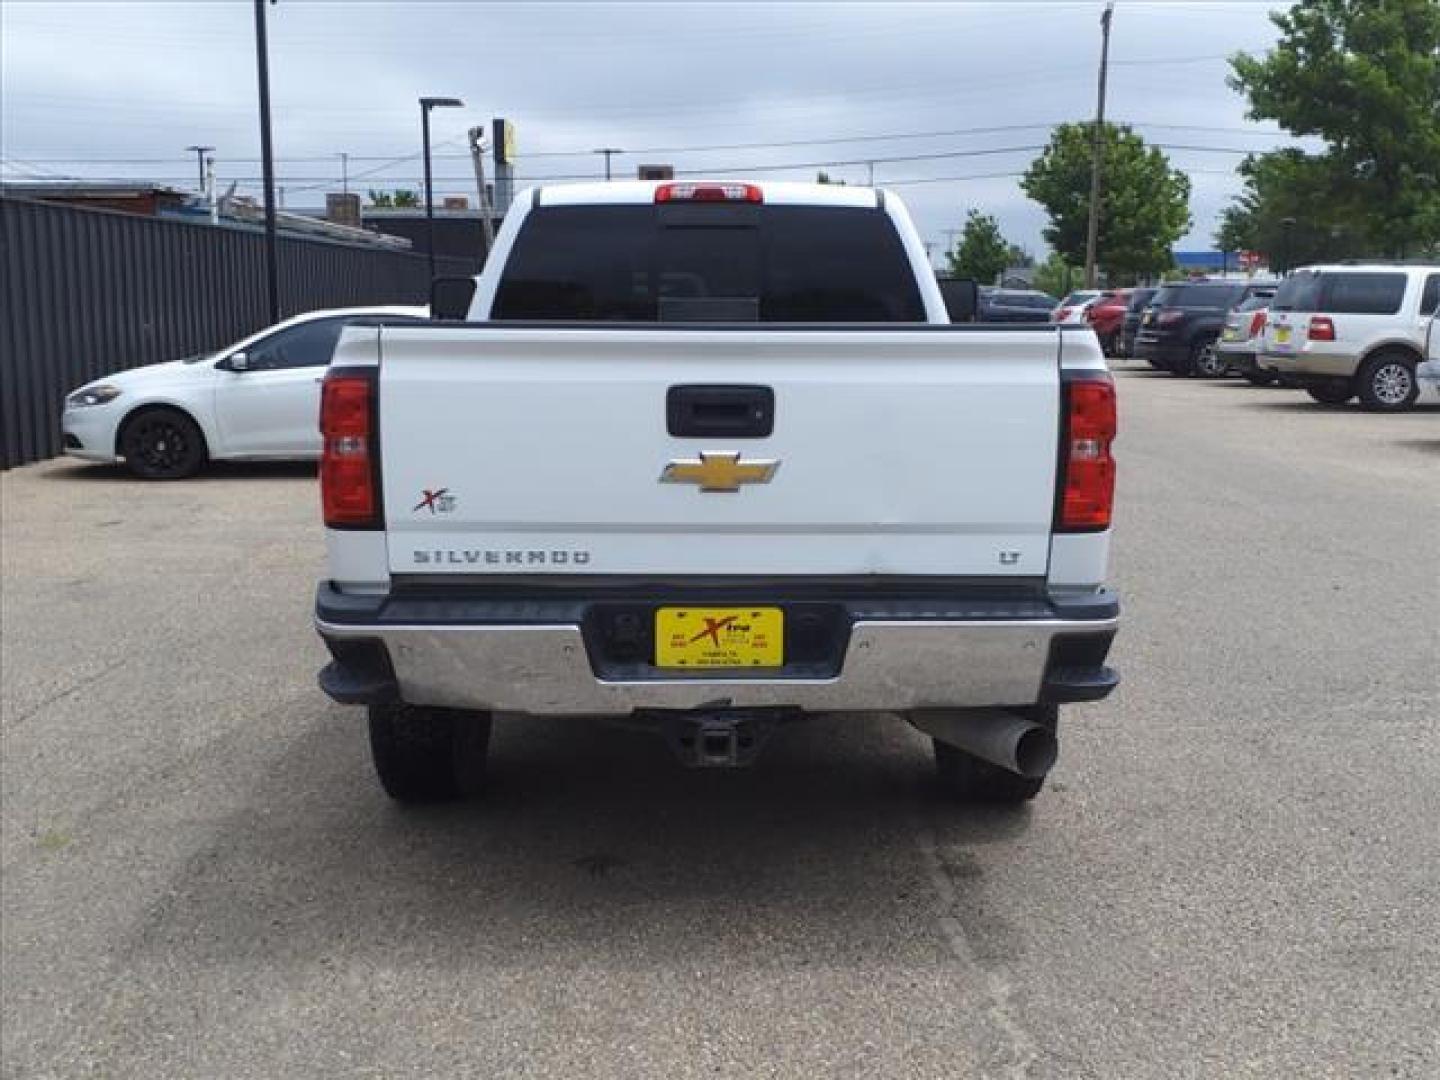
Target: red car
x: 1106, y: 315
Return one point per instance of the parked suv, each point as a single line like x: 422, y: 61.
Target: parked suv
x: 1179, y: 329
x: 1244, y: 327
x: 1130, y: 324
x: 1353, y: 330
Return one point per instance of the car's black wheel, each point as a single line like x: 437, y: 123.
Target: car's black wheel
x: 426, y: 755
x: 1205, y: 360
x: 1337, y: 393
x: 968, y: 778
x: 1387, y: 383
x: 162, y: 444
x: 1259, y: 378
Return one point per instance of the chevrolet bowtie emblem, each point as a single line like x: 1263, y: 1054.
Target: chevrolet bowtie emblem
x: 719, y: 472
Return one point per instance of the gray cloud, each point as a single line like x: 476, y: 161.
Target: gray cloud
x: 87, y: 84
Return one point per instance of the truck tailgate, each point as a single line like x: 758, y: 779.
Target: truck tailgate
x: 541, y: 450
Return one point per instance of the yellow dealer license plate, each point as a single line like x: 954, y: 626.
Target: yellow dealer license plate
x: 1282, y: 335
x: 719, y: 637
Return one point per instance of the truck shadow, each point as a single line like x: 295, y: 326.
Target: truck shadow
x: 590, y: 843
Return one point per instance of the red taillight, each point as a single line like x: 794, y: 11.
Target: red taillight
x: 1061, y: 314
x: 1170, y: 318
x: 746, y: 193
x: 1088, y: 314
x: 1322, y: 328
x: 347, y: 476
x: 1087, y: 471
x: 1257, y: 323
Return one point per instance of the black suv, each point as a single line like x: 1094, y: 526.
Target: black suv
x: 1130, y: 324
x: 1179, y: 328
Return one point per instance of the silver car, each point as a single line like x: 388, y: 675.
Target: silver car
x: 1241, y: 336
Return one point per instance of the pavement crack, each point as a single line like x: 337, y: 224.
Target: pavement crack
x: 1020, y: 1053
x: 71, y: 690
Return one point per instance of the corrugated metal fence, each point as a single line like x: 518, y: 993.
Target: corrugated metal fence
x: 88, y: 292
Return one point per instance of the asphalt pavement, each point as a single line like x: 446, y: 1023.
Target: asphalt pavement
x: 1234, y: 871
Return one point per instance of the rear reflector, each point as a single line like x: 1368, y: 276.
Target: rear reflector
x: 348, y: 488
x: 1087, y: 471
x: 746, y: 193
x: 1322, y: 328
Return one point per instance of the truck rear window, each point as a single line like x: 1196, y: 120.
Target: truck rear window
x: 742, y: 262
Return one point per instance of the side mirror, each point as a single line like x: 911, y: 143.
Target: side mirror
x: 236, y: 362
x: 450, y: 298
x: 962, y: 298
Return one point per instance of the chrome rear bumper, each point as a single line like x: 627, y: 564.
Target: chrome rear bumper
x: 889, y: 665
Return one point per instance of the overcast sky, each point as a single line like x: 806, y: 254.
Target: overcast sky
x: 119, y: 89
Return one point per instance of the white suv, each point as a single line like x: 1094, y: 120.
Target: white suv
x: 1352, y: 330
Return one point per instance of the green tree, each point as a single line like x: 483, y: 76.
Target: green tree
x: 1144, y: 205
x: 1055, y: 276
x: 401, y: 197
x: 1364, y: 76
x: 982, y: 252
x: 1294, y: 209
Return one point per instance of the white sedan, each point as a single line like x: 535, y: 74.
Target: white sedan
x: 1072, y: 308
x: 256, y: 399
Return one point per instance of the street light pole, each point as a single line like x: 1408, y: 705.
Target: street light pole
x: 426, y: 104
x: 1092, y: 234
x: 608, y: 151
x: 267, y: 163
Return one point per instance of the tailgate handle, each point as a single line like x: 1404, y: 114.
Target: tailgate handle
x: 731, y: 412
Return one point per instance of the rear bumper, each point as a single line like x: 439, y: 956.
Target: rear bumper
x: 1302, y: 365
x: 550, y: 656
x: 1165, y: 353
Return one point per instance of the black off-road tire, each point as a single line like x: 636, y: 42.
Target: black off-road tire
x: 1386, y: 382
x: 1337, y: 393
x: 162, y: 444
x: 426, y: 755
x: 969, y: 779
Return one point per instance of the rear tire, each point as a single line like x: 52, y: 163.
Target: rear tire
x: 1259, y: 378
x: 1387, y: 383
x: 1205, y: 361
x: 969, y: 779
x: 1327, y: 394
x: 428, y: 755
x: 162, y: 444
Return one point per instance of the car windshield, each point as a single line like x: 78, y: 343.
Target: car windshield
x: 1079, y: 296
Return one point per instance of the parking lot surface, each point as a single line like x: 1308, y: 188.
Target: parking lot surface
x: 1235, y: 869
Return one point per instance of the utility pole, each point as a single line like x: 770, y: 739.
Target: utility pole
x: 267, y: 162
x: 870, y: 182
x: 200, y: 152
x: 345, y: 172
x: 1092, y: 236
x: 608, y: 151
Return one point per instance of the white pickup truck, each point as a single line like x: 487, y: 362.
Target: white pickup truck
x: 709, y: 456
